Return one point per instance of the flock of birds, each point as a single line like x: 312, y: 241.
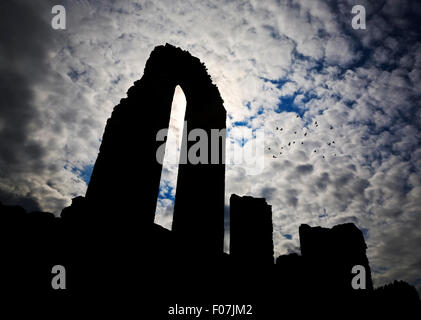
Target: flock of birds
x: 283, y: 148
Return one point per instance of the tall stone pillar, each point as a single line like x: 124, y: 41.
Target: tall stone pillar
x: 251, y: 230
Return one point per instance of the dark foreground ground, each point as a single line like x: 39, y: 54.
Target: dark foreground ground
x: 117, y: 266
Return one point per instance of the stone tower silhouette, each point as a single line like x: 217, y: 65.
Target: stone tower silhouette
x: 331, y: 253
x: 126, y: 176
x: 251, y: 230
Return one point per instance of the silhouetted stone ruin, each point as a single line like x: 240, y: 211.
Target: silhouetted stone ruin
x: 126, y: 174
x: 110, y: 246
x: 330, y: 254
x: 251, y: 230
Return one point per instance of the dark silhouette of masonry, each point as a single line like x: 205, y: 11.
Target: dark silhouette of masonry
x: 111, y: 248
x: 130, y: 141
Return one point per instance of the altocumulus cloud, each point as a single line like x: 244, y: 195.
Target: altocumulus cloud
x: 272, y: 61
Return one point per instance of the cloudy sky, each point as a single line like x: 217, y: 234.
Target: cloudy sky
x: 285, y: 64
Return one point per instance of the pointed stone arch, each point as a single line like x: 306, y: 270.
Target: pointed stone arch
x: 125, y: 179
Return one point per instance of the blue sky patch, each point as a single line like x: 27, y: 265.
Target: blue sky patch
x: 75, y: 75
x: 167, y: 194
x: 84, y: 173
x: 286, y: 104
